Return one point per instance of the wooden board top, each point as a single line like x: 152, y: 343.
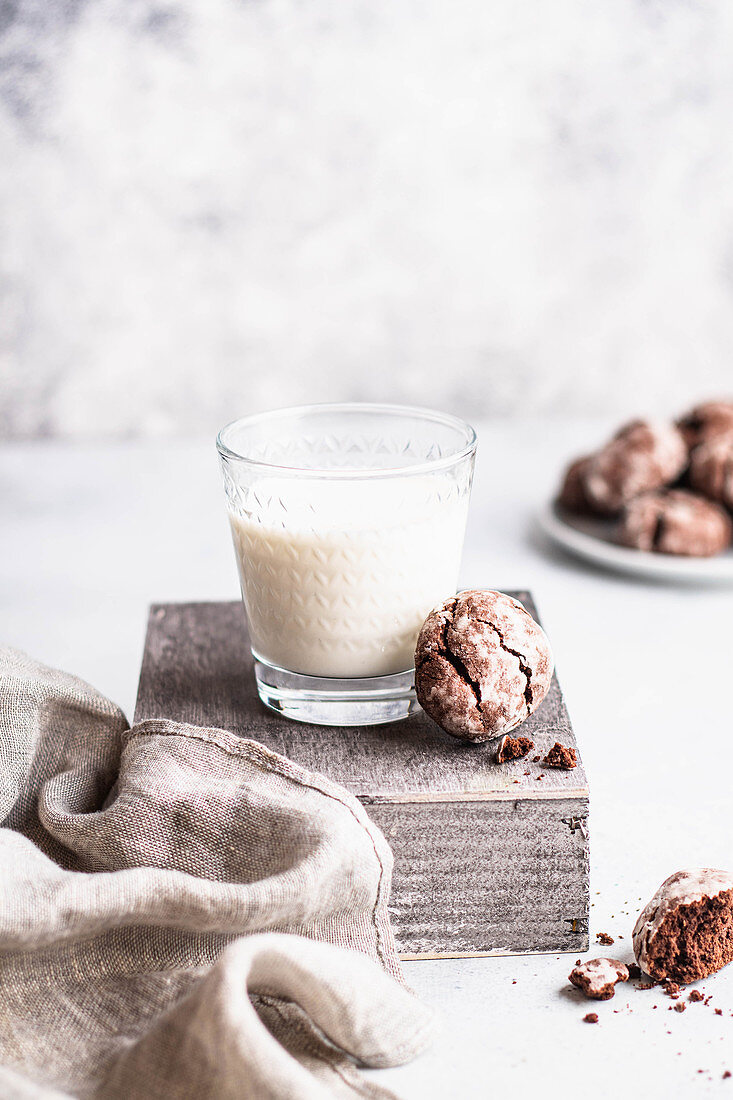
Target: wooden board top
x: 197, y: 668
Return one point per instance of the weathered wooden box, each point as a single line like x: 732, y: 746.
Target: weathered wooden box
x: 489, y: 859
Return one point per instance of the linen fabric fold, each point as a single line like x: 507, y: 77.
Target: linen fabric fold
x: 184, y: 913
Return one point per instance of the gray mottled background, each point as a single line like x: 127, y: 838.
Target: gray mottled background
x: 217, y: 206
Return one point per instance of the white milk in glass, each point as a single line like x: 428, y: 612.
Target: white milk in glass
x: 338, y: 578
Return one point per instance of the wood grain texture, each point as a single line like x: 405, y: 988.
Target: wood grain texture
x: 488, y: 858
x: 197, y: 668
x: 488, y: 877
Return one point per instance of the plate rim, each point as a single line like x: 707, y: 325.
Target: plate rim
x: 624, y: 559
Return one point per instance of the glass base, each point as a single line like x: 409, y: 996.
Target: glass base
x: 331, y: 702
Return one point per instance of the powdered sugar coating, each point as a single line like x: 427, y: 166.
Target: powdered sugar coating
x: 482, y: 665
x: 597, y: 978
x: 681, y: 888
x: 643, y: 455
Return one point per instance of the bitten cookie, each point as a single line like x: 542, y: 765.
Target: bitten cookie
x: 597, y: 978
x: 686, y: 931
x: 641, y: 456
x: 711, y: 469
x: 706, y: 421
x: 675, y: 522
x: 572, y: 495
x: 482, y: 665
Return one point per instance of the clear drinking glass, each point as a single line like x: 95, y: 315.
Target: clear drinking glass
x: 348, y: 525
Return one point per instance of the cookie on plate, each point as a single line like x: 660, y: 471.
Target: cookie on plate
x: 706, y: 421
x: 674, y: 521
x: 643, y: 455
x: 711, y: 469
x: 572, y: 495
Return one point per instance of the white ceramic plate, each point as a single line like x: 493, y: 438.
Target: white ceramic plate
x: 593, y: 540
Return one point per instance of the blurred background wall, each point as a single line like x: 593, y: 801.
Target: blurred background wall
x: 216, y: 206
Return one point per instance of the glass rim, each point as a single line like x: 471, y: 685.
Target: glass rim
x: 354, y: 473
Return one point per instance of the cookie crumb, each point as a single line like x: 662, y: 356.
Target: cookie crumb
x: 513, y: 748
x: 718, y: 1011
x: 634, y: 970
x: 604, y: 938
x: 597, y: 978
x: 592, y: 1018
x: 727, y: 1074
x: 561, y: 756
x: 695, y: 995
x: 679, y: 1007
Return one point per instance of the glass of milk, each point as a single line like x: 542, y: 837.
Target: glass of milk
x: 348, y: 525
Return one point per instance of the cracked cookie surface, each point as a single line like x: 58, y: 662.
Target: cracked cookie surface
x: 482, y: 665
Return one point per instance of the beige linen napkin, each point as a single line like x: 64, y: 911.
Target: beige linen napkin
x: 183, y: 913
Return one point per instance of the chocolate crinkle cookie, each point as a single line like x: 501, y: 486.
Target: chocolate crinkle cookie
x: 597, y: 978
x: 643, y: 455
x: 675, y: 522
x: 706, y: 421
x: 686, y: 931
x: 711, y: 469
x: 572, y: 495
x: 482, y: 665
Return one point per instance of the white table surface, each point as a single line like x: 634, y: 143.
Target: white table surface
x: 92, y: 534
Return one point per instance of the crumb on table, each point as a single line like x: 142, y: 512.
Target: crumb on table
x: 513, y: 748
x: 561, y: 756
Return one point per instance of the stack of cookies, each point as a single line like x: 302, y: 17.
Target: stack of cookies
x: 668, y: 487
